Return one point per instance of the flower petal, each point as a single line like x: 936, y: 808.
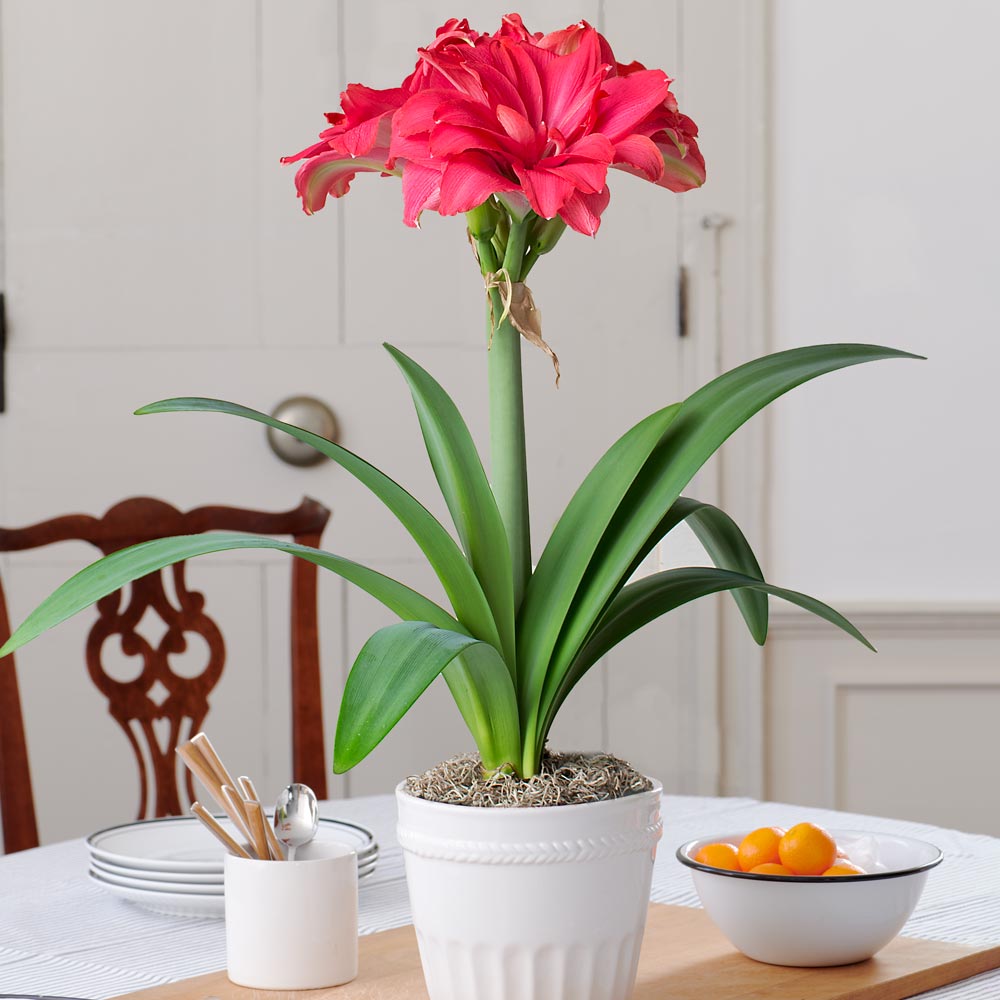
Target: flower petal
x: 314, y: 150
x: 468, y: 181
x: 412, y: 147
x: 496, y: 68
x: 568, y: 40
x: 511, y: 26
x: 449, y: 67
x: 516, y: 125
x: 419, y: 113
x: 527, y: 85
x: 421, y: 189
x: 683, y: 164
x: 583, y: 175
x: 571, y: 83
x: 639, y: 155
x: 582, y: 212
x: 627, y: 100
x: 329, y: 174
x: 365, y: 119
x: 451, y: 140
x: 361, y: 103
x: 545, y: 190
x: 592, y: 147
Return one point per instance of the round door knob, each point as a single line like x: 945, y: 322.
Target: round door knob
x: 310, y: 414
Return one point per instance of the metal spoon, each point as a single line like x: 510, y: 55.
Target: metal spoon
x: 296, y: 817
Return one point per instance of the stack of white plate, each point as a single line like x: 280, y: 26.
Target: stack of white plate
x: 176, y: 866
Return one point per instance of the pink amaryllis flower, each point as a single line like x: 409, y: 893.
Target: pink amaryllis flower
x: 537, y: 120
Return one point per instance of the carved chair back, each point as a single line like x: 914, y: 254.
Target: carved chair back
x: 157, y: 693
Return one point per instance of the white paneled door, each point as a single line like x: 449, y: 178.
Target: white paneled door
x: 153, y: 246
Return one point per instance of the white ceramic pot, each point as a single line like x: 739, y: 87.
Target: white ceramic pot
x: 530, y: 904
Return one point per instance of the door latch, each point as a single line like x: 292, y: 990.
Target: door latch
x: 682, y: 301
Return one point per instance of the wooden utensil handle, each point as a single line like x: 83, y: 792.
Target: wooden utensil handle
x: 235, y: 805
x: 250, y: 794
x: 212, y: 825
x: 214, y: 761
x: 257, y: 828
x: 190, y: 754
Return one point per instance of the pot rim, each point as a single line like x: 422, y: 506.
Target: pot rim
x: 563, y: 810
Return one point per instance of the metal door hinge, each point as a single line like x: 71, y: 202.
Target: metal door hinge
x: 682, y: 301
x: 3, y: 354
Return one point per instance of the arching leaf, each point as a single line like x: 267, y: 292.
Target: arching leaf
x: 728, y: 548
x: 565, y: 559
x: 109, y: 574
x: 443, y: 553
x: 650, y: 598
x: 705, y: 420
x: 395, y: 667
x: 466, y: 490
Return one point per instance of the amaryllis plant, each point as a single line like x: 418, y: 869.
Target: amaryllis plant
x: 519, y: 132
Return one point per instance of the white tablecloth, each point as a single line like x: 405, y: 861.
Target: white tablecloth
x: 62, y: 934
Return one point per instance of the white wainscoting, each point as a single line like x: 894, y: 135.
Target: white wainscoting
x: 911, y: 732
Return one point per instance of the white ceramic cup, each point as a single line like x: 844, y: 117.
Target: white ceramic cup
x: 293, y: 925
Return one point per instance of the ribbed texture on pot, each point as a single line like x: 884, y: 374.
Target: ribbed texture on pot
x: 530, y: 904
x: 456, y: 971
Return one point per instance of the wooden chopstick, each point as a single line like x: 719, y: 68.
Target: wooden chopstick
x: 190, y: 753
x: 214, y: 761
x: 250, y: 794
x: 259, y: 825
x: 238, y: 798
x: 212, y: 825
x: 257, y: 841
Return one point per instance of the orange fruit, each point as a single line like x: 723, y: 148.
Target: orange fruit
x: 769, y: 868
x: 760, y: 847
x: 807, y: 849
x: 719, y: 856
x: 844, y: 868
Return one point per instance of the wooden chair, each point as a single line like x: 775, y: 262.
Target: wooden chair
x: 138, y: 520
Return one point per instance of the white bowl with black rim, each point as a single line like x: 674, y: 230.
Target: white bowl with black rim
x: 811, y: 921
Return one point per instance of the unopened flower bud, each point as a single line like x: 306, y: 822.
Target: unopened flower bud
x: 482, y: 220
x: 546, y: 233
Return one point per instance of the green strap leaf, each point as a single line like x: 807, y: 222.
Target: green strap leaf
x: 574, y: 540
x: 114, y: 571
x: 444, y: 555
x: 706, y: 419
x: 485, y: 695
x: 647, y: 599
x: 395, y: 667
x: 727, y: 547
x: 459, y: 472
x: 729, y: 550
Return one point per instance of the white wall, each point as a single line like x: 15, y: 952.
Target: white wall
x: 886, y: 229
x: 884, y: 479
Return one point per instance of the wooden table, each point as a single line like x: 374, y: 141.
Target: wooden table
x: 61, y: 934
